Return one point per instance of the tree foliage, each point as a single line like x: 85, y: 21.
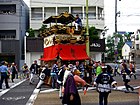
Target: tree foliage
x: 111, y: 46
x: 31, y: 32
x: 93, y: 33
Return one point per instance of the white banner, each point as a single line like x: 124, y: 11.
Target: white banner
x: 48, y: 41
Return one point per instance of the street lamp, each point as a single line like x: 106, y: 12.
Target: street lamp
x: 104, y: 31
x: 25, y: 46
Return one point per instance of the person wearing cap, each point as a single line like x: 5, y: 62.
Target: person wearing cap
x: 78, y: 79
x: 4, y: 76
x: 104, y: 82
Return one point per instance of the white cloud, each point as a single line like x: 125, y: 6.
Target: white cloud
x: 129, y: 17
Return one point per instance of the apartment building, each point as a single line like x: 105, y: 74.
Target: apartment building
x: 14, y: 22
x: 42, y: 9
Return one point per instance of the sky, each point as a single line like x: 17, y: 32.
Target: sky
x: 129, y: 19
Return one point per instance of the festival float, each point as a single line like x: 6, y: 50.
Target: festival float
x: 62, y: 41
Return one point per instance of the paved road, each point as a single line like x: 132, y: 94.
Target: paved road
x: 21, y: 95
x: 18, y: 94
x: 49, y: 97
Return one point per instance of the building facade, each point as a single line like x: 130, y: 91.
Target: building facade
x: 42, y: 9
x: 14, y: 22
x: 136, y: 46
x: 126, y: 50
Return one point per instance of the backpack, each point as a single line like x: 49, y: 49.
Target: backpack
x: 105, y: 78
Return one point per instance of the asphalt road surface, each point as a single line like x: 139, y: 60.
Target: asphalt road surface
x: 18, y: 95
x: 21, y: 94
x: 46, y: 97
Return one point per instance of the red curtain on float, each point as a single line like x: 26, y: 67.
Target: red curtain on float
x: 65, y: 52
x: 50, y: 53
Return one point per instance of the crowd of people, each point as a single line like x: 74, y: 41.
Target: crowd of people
x: 84, y: 74
x: 71, y: 75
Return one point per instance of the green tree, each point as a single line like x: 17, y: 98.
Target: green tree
x: 31, y: 32
x: 93, y: 33
x: 110, y: 48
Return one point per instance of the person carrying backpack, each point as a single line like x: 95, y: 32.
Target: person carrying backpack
x: 103, y: 82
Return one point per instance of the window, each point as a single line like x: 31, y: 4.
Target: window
x: 63, y: 9
x: 91, y: 12
x: 36, y: 13
x: 8, y: 9
x: 77, y: 10
x: 49, y: 11
x: 100, y: 13
x: 7, y: 34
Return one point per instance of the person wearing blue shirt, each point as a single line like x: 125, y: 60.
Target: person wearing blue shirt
x: 78, y: 22
x: 4, y: 76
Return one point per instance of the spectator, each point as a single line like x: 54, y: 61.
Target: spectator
x: 116, y: 69
x: 90, y: 71
x: 54, y: 75
x: 126, y: 77
x: 132, y: 69
x: 98, y: 69
x: 25, y: 71
x: 4, y: 76
x: 33, y: 70
x: 13, y: 71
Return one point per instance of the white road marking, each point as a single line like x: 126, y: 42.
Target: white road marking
x: 49, y: 90
x: 36, y: 92
x: 6, y: 90
x: 89, y: 88
x: 33, y: 97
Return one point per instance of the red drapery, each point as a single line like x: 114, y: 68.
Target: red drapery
x: 65, y: 52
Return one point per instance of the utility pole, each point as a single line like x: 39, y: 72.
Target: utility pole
x: 116, y: 16
x: 87, y: 30
x: 116, y: 30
